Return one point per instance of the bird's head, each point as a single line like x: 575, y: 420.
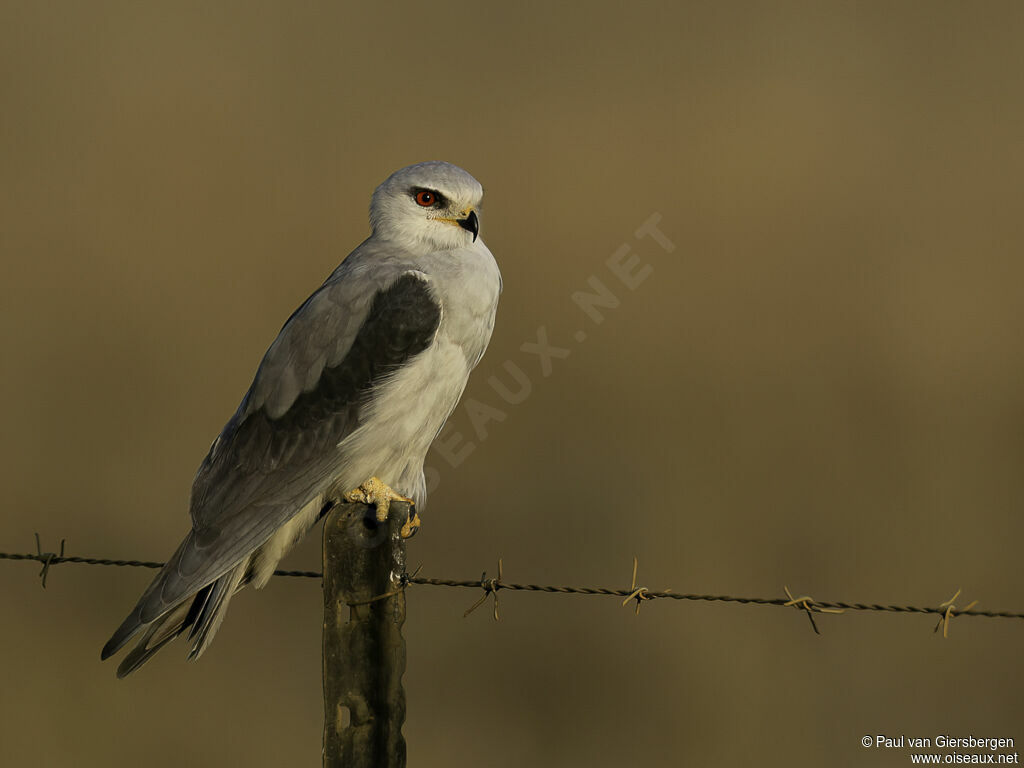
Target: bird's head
x: 432, y: 205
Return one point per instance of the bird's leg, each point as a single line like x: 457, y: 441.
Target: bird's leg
x: 376, y: 492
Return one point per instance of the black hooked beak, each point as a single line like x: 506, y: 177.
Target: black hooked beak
x: 472, y: 223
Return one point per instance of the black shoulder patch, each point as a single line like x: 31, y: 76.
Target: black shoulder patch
x: 401, y: 323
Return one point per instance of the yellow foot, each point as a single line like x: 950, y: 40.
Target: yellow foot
x: 374, y: 491
x: 410, y: 526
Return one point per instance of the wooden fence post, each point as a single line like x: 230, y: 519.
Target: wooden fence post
x: 363, y: 647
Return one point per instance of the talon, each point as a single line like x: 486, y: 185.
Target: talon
x: 411, y: 525
x: 376, y: 492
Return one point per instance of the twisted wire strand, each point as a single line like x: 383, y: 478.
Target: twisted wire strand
x: 650, y: 595
x: 493, y: 585
x: 48, y: 559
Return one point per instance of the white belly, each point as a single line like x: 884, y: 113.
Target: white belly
x: 406, y: 414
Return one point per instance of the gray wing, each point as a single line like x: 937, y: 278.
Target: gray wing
x: 280, y: 446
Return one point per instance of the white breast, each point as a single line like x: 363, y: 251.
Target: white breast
x: 408, y: 410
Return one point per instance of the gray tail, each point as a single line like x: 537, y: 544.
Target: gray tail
x: 203, y: 613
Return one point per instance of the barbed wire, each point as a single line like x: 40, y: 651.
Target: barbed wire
x: 49, y: 559
x: 637, y: 594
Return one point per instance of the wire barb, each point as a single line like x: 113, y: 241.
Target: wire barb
x: 950, y: 611
x: 636, y: 593
x: 403, y: 582
x: 407, y: 578
x: 489, y: 586
x: 48, y: 559
x: 810, y: 606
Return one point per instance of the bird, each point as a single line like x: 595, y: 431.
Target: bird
x: 343, y: 407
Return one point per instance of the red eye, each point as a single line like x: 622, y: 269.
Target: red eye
x: 426, y: 198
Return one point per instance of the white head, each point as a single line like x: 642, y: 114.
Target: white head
x: 430, y: 205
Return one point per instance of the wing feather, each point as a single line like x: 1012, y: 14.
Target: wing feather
x: 280, y: 447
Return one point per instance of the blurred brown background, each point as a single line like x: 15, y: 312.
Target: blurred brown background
x: 822, y: 386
